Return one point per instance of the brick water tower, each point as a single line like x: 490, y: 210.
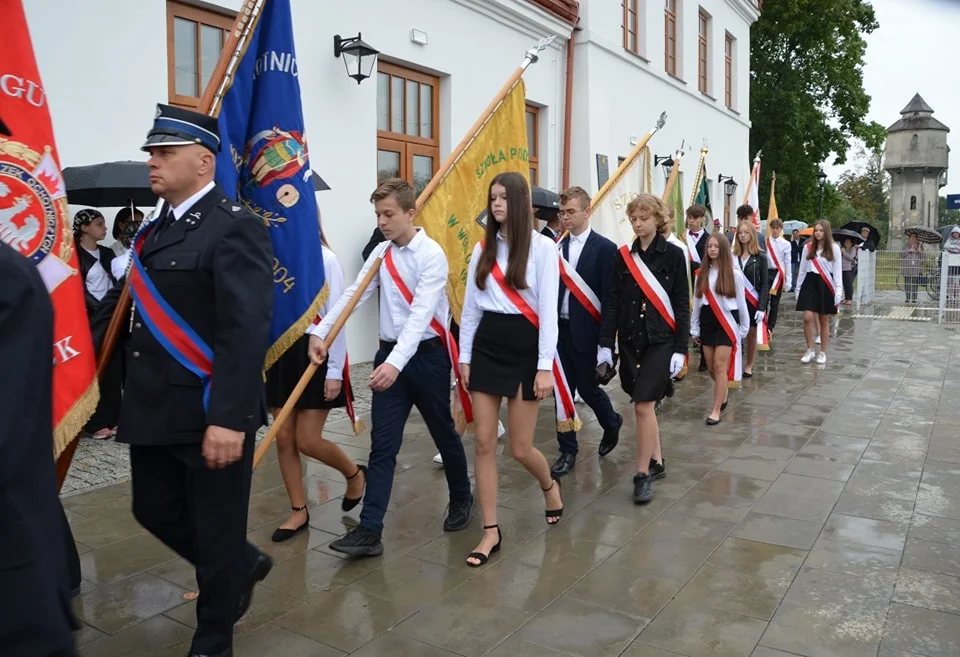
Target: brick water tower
x: 916, y: 157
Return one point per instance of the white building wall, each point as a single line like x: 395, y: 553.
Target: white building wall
x: 104, y: 67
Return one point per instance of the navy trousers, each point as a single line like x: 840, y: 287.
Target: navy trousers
x: 581, y: 370
x: 424, y: 383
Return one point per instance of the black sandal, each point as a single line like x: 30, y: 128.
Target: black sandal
x: 553, y: 513
x: 480, y: 556
x: 350, y: 502
x: 280, y: 534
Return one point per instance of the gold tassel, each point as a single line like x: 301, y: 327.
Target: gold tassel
x: 683, y: 373
x: 733, y: 385
x: 75, y: 418
x: 296, y: 331
x: 359, y: 427
x: 763, y: 347
x: 569, y: 425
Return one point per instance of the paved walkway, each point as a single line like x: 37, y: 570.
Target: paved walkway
x: 821, y: 518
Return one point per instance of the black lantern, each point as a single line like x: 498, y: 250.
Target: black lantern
x: 821, y: 181
x: 359, y: 57
x: 730, y: 186
x: 666, y: 161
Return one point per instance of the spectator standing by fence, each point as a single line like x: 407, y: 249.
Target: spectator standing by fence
x: 849, y: 255
x: 911, y: 261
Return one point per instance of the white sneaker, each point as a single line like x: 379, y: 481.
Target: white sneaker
x: 817, y: 340
x: 501, y: 431
x: 821, y: 358
x: 809, y: 356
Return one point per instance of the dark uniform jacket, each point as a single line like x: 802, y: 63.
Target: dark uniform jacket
x: 756, y: 272
x: 87, y: 261
x: 214, y: 267
x: 35, y: 615
x: 595, y: 266
x: 623, y: 306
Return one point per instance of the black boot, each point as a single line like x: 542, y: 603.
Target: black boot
x: 642, y: 490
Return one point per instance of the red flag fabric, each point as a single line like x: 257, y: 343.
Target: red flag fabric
x: 34, y: 220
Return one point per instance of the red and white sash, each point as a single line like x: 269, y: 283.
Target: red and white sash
x: 817, y: 263
x: 347, y: 389
x: 781, y: 276
x: 579, y: 288
x: 440, y: 325
x: 731, y: 327
x: 753, y: 298
x: 567, y: 419
x: 692, y: 248
x: 652, y: 289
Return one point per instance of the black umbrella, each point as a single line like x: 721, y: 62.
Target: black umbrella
x: 109, y: 185
x: 544, y: 199
x: 857, y: 226
x: 945, y: 232
x: 319, y: 184
x: 841, y: 234
x: 925, y: 235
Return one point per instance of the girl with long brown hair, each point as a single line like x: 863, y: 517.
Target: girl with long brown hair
x: 752, y: 262
x: 821, y: 292
x: 508, y: 340
x: 719, y: 320
x: 302, y: 433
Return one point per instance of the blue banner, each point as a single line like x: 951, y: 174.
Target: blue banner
x: 264, y: 164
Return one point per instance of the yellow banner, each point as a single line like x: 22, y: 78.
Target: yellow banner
x: 451, y: 215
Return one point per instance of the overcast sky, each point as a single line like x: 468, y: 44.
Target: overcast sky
x: 914, y: 50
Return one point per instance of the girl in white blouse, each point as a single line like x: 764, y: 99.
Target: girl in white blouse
x: 819, y: 288
x: 302, y: 433
x: 508, y: 340
x: 719, y: 282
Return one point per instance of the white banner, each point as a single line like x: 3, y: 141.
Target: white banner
x: 609, y: 214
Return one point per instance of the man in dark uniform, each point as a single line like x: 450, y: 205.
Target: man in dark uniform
x: 191, y: 447
x: 35, y: 616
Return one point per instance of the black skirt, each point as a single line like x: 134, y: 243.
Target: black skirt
x: 645, y: 368
x: 505, y: 354
x: 816, y: 296
x: 711, y: 330
x: 284, y: 375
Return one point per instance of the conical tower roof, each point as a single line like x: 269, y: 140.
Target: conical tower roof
x: 917, y: 115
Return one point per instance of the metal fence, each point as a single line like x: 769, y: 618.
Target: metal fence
x: 907, y: 286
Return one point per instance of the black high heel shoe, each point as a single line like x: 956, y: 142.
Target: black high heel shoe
x: 280, y: 535
x: 350, y: 502
x: 480, y: 556
x: 553, y: 513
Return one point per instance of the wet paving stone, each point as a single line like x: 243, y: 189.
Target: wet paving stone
x: 820, y: 519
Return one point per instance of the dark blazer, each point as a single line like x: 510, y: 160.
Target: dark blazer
x: 796, y: 251
x: 86, y: 262
x: 622, y: 307
x: 756, y: 272
x: 375, y: 239
x: 214, y: 267
x: 595, y: 266
x: 546, y: 230
x: 35, y: 615
x: 701, y: 247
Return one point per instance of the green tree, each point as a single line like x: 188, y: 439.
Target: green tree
x: 806, y: 94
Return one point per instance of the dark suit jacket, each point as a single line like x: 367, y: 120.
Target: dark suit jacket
x: 595, y: 266
x: 701, y: 247
x: 546, y: 230
x: 214, y: 267
x: 35, y: 615
x: 86, y: 262
x: 375, y: 239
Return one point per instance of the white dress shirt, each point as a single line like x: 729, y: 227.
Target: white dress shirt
x: 333, y: 274
x: 422, y: 265
x: 692, y: 240
x: 118, y: 266
x: 97, y: 282
x: 576, y: 248
x: 181, y: 209
x: 676, y: 241
x: 833, y: 269
x: 543, y: 287
x: 738, y: 303
x: 783, y: 252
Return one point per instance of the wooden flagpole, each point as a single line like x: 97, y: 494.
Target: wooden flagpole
x: 699, y: 178
x: 217, y: 87
x: 634, y: 154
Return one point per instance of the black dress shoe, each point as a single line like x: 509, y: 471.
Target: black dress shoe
x: 657, y: 470
x: 563, y: 464
x: 702, y: 367
x: 281, y: 534
x: 711, y: 422
x: 359, y: 542
x: 459, y: 515
x: 657, y: 407
x: 226, y: 653
x: 349, y: 503
x: 642, y: 490
x: 611, y: 437
x: 261, y: 568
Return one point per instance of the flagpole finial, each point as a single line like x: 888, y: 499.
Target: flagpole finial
x: 757, y: 158
x: 662, y: 121
x: 532, y: 56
